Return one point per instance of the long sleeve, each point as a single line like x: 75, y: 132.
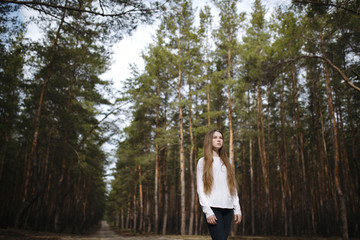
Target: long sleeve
x: 203, y: 198
x: 237, y: 208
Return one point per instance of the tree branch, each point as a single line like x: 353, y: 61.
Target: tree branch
x: 96, y: 125
x: 328, y: 4
x: 69, y: 8
x: 343, y: 75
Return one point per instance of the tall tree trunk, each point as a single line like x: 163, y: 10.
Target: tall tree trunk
x: 231, y: 131
x: 156, y: 190
x: 165, y: 175
x: 65, y: 169
x: 191, y: 167
x: 141, y: 201
x: 196, y: 200
x: 330, y: 189
x: 349, y: 188
x: 197, y: 212
x: 337, y: 163
x: 182, y: 154
x: 166, y: 193
x: 86, y: 187
x: 263, y: 156
x: 252, y: 210
x: 320, y: 155
x: 328, y: 174
x: 78, y: 187
x: 27, y: 200
x: 283, y: 163
x: 46, y: 175
x: 128, y: 212
x: 157, y: 163
x: 4, y: 145
x: 182, y: 151
x: 244, y: 183
x: 122, y: 219
x: 354, y: 155
x: 45, y: 172
x: 134, y: 211
x: 300, y: 150
x: 208, y: 92
x: 147, y: 210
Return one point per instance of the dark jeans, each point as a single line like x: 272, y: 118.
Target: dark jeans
x: 221, y: 229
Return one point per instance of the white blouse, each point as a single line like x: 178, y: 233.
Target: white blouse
x: 219, y: 196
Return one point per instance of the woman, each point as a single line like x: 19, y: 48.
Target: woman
x: 217, y: 187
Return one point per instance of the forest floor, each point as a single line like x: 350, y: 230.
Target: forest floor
x: 105, y: 232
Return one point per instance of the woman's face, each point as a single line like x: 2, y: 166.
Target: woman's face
x: 217, y: 141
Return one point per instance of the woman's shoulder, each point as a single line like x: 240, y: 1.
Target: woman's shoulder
x: 200, y: 161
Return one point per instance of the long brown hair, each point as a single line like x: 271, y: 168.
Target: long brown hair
x: 208, y: 166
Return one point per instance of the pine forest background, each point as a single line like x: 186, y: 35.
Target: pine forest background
x: 283, y: 85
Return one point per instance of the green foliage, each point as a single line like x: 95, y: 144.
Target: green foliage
x: 274, y: 54
x: 255, y: 46
x: 66, y: 174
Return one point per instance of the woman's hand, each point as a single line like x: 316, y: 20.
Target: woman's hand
x: 211, y: 220
x: 237, y: 218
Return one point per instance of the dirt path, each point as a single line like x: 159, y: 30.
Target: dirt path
x: 103, y: 232
x: 106, y: 233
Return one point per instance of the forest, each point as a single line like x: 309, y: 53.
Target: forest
x: 282, y: 84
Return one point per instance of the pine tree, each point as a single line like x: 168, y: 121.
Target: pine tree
x: 254, y: 53
x: 61, y: 96
x: 179, y: 25
x: 226, y: 43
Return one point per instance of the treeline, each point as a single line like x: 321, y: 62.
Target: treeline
x: 52, y: 101
x: 285, y: 91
